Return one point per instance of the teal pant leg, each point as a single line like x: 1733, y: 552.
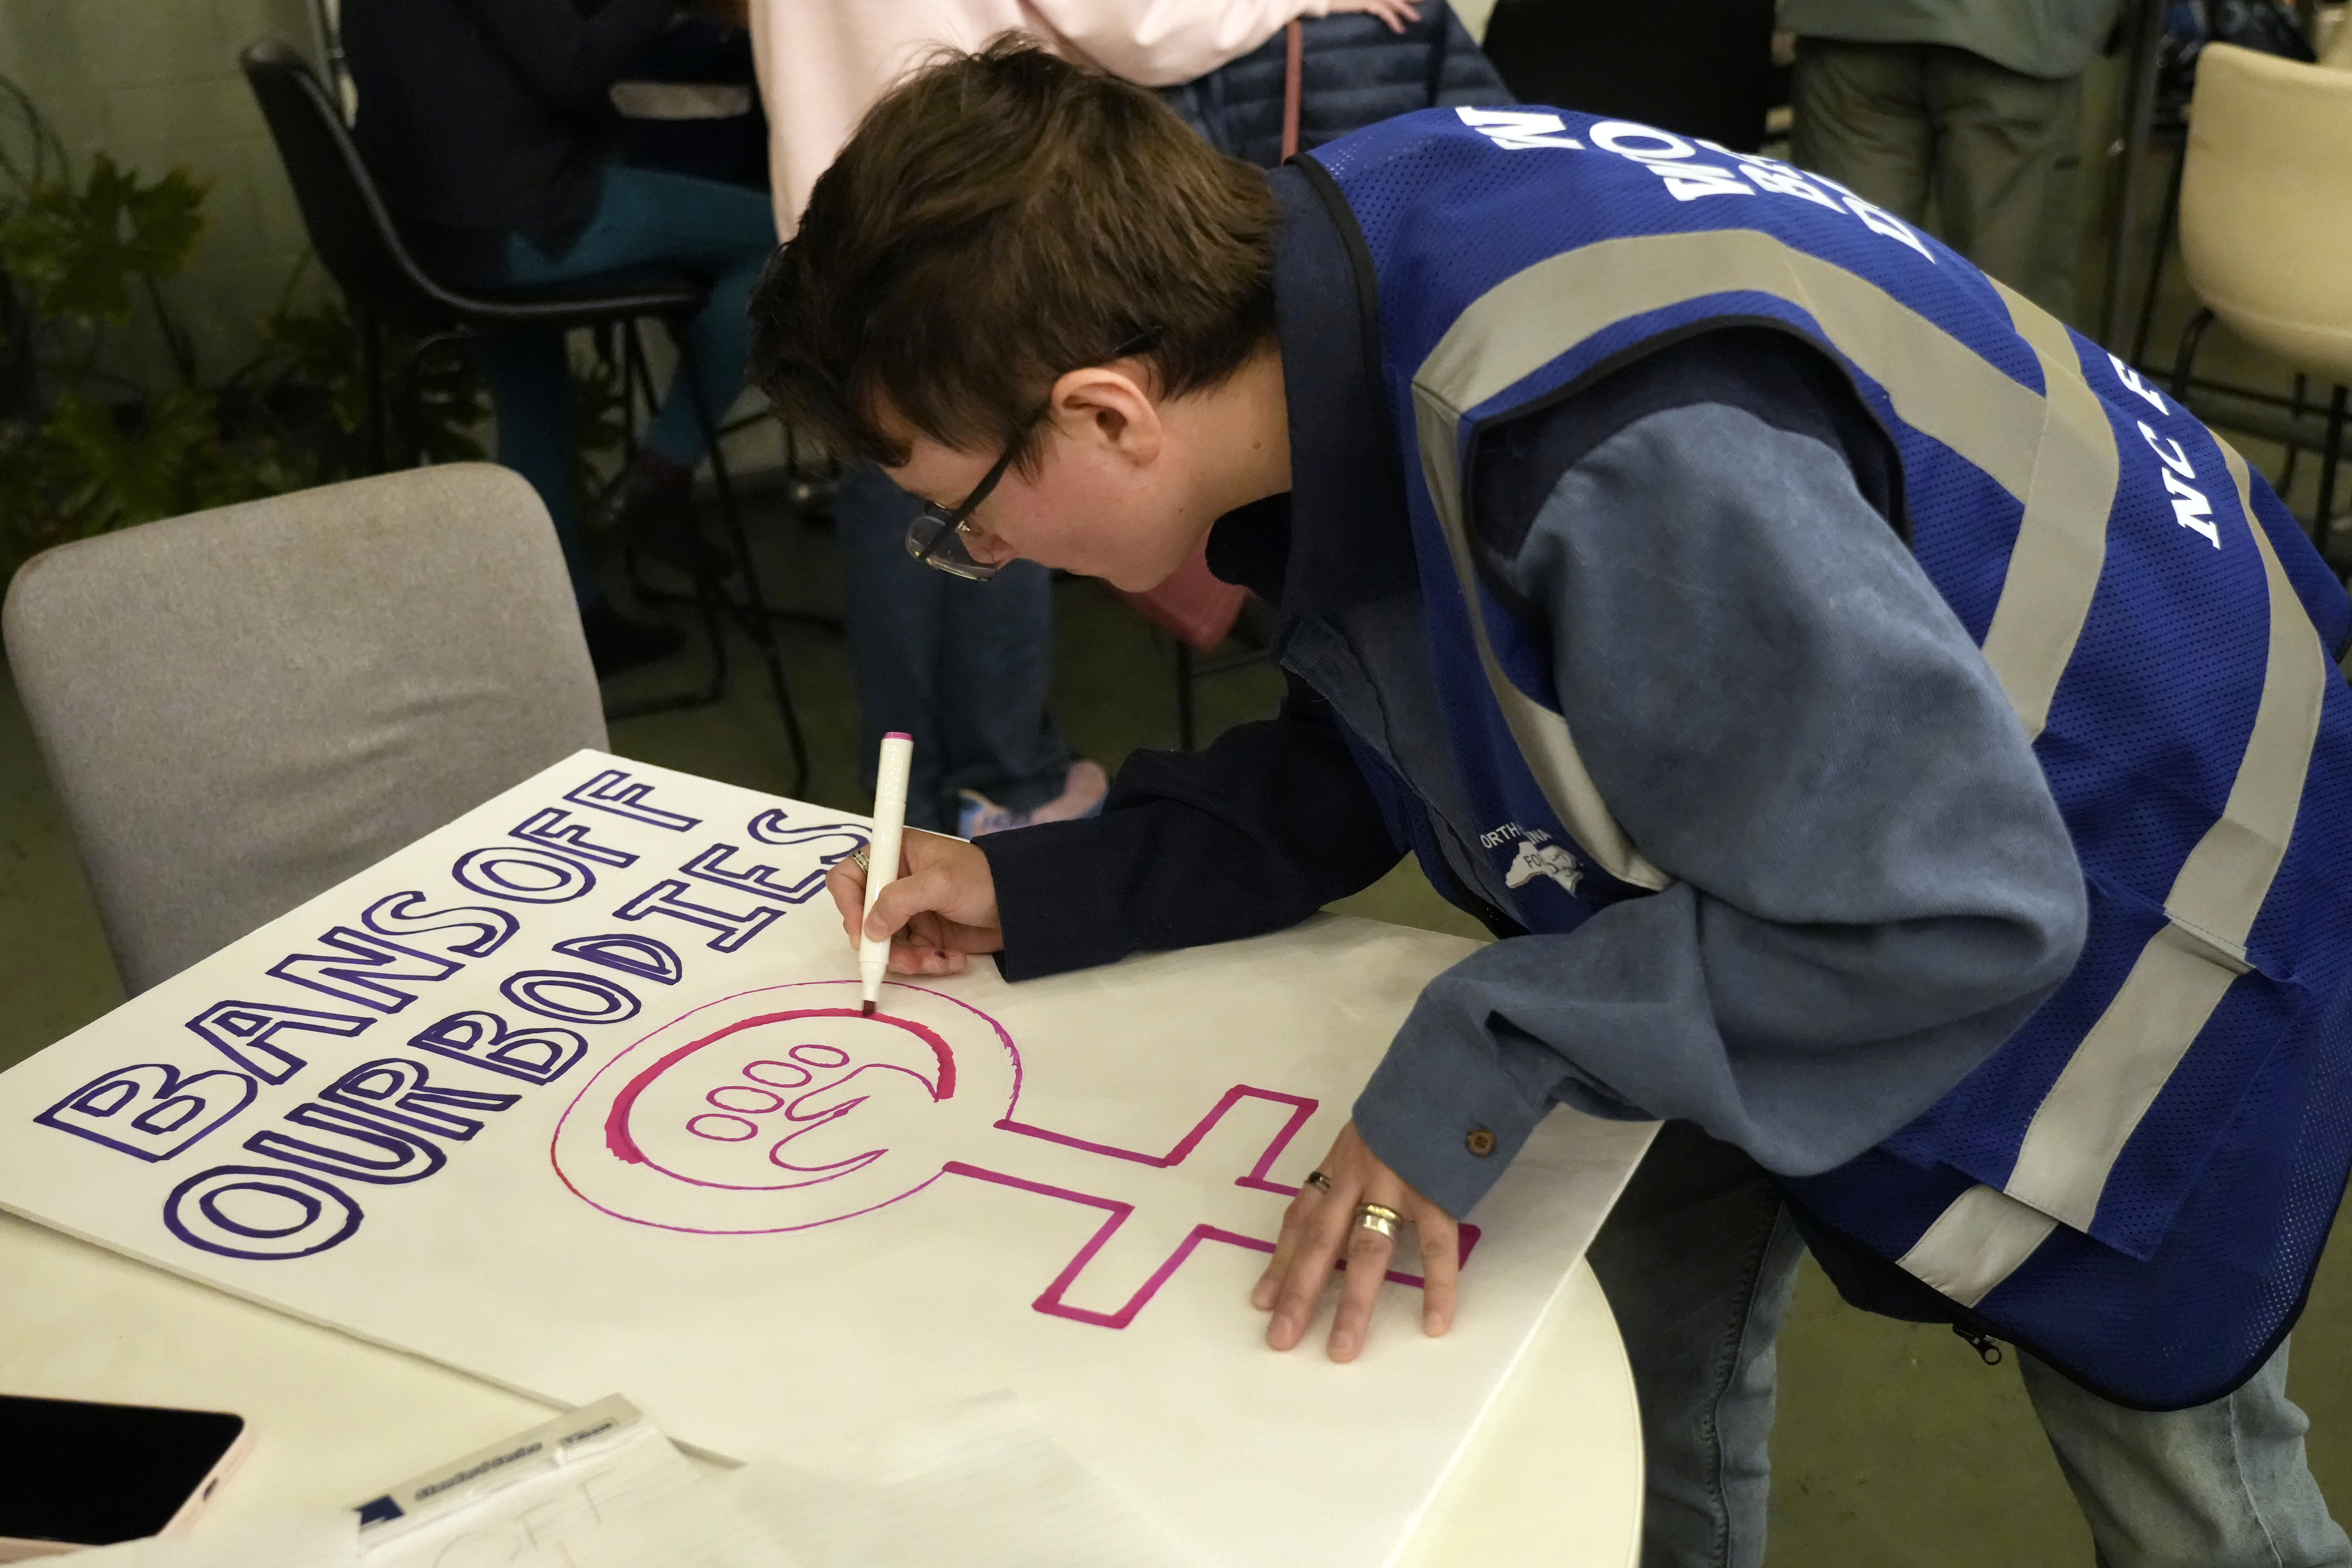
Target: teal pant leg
x: 719, y: 233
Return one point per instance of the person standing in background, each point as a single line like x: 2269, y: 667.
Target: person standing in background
x: 1976, y: 102
x: 965, y: 667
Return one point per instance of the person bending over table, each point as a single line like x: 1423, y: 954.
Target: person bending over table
x: 1634, y: 512
x: 485, y: 124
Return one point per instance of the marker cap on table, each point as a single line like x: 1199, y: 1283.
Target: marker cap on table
x: 882, y: 857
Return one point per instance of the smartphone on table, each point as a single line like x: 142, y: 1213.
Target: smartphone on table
x: 74, y: 1473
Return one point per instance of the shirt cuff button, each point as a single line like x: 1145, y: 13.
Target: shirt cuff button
x: 1480, y: 1142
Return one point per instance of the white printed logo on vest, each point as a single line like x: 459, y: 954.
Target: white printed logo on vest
x: 1538, y: 856
x: 2191, y: 509
x: 1672, y: 159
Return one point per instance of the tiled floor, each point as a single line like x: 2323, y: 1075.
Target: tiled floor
x: 1896, y: 1449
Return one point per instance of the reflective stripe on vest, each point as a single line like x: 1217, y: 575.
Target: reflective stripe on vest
x: 2055, y: 451
x: 2113, y: 1075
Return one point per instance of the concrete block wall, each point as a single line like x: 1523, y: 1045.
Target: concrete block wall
x: 155, y: 84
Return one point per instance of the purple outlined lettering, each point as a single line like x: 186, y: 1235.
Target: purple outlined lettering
x: 150, y: 1111
x: 710, y: 866
x: 612, y: 791
x: 372, y: 1151
x: 541, y: 991
x: 538, y: 1054
x: 669, y: 898
x: 259, y: 1212
x: 395, y: 1089
x: 366, y: 962
x: 242, y: 1031
x: 393, y: 916
x: 630, y: 952
x: 555, y: 829
x: 522, y: 875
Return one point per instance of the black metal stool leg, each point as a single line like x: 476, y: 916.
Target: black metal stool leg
x: 756, y: 617
x: 372, y: 437
x: 2164, y: 226
x: 2330, y: 457
x: 636, y: 381
x: 640, y: 372
x: 2191, y: 336
x: 2294, y: 423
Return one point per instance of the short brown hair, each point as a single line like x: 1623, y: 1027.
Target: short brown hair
x: 999, y: 219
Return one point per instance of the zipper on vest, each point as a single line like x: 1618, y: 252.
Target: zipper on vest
x: 1494, y: 919
x: 1982, y: 1343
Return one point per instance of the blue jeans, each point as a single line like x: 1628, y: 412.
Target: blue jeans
x: 717, y: 233
x: 964, y: 667
x: 1698, y: 1260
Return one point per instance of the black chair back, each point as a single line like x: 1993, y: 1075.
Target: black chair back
x: 351, y: 228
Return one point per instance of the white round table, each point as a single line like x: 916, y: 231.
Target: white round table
x: 1553, y: 1476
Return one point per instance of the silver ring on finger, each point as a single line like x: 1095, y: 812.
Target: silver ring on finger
x: 1381, y: 1217
x: 1319, y: 1181
x: 859, y: 854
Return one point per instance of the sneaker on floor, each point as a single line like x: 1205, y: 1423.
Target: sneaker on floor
x: 1083, y: 789
x: 616, y: 644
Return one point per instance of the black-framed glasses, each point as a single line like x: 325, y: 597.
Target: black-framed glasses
x: 936, y: 535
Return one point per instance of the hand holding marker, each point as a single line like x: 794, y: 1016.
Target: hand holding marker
x: 882, y: 857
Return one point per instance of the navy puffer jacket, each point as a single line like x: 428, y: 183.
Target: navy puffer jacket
x: 1356, y: 71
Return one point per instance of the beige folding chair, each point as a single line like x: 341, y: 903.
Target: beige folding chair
x: 240, y: 708
x: 2339, y: 48
x: 2267, y: 221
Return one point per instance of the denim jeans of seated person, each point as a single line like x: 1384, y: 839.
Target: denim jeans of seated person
x: 1699, y: 1262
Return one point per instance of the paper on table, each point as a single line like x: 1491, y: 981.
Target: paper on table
x: 527, y: 1499
x: 978, y: 1484
x: 279, y: 1541
x: 711, y: 1524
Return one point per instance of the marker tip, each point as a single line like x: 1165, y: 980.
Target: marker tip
x: 865, y: 1010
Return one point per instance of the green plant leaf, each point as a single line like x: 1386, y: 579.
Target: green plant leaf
x: 79, y: 253
x: 135, y: 465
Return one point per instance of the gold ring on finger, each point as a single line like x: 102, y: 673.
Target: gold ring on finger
x: 1381, y: 1217
x: 858, y: 856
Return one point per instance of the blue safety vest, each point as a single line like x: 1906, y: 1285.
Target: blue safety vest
x: 2138, y: 1185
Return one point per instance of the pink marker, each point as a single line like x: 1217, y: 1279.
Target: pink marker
x: 882, y: 857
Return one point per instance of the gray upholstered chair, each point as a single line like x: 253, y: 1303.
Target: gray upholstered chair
x: 242, y: 707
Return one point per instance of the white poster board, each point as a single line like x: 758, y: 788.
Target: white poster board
x: 573, y: 1094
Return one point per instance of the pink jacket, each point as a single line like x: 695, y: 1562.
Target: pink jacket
x: 822, y: 62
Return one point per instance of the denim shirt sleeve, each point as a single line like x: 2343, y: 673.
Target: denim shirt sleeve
x: 1874, y: 887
